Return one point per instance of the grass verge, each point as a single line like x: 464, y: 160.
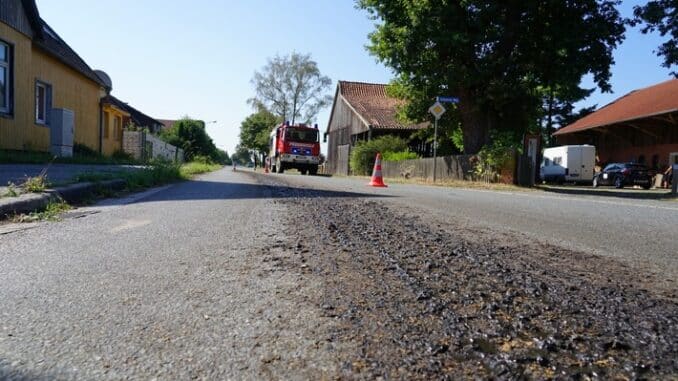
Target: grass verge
x: 51, y: 213
x: 450, y: 183
x: 31, y: 157
x: 156, y: 174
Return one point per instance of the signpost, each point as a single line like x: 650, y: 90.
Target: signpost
x: 438, y: 110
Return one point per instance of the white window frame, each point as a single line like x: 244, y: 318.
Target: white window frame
x: 7, y: 65
x: 45, y: 100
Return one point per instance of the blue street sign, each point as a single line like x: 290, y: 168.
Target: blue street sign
x: 447, y: 99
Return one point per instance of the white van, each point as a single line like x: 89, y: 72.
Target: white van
x: 568, y: 164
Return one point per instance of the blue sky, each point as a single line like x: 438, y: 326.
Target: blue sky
x: 173, y: 58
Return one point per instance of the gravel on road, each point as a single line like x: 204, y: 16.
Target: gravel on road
x: 431, y: 301
x: 234, y: 277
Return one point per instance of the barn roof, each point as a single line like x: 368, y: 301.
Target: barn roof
x: 650, y: 101
x: 374, y: 106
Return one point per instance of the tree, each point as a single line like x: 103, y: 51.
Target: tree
x: 493, y: 55
x: 255, y: 131
x: 191, y: 136
x: 662, y: 16
x: 291, y: 87
x: 242, y: 155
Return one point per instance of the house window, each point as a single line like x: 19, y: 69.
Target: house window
x: 5, y: 78
x: 43, y: 102
x: 106, y: 124
x: 117, y: 128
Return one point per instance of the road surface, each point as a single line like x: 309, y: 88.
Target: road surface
x: 242, y: 276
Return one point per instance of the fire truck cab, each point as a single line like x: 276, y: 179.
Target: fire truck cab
x: 294, y: 146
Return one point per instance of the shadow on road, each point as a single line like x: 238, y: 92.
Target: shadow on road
x: 610, y: 192
x: 215, y: 190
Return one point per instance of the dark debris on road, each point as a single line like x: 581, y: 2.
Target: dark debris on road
x: 430, y: 302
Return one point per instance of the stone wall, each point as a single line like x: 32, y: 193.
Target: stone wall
x: 144, y: 146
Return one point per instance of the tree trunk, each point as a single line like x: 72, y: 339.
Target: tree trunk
x: 475, y: 125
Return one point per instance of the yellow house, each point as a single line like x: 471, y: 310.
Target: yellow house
x: 114, y: 113
x: 38, y: 72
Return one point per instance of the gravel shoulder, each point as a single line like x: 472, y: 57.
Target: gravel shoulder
x: 426, y: 300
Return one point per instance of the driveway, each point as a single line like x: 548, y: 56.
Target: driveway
x: 56, y: 173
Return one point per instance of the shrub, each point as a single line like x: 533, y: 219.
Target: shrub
x: 399, y: 156
x: 202, y: 159
x: 82, y: 150
x: 36, y: 184
x: 120, y: 155
x: 363, y: 154
x: 492, y: 157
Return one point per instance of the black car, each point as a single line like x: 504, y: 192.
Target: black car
x: 621, y: 174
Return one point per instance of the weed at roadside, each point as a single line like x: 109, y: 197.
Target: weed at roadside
x: 52, y: 212
x: 11, y: 190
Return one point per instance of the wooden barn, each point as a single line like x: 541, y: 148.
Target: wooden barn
x: 361, y: 111
x: 641, y: 127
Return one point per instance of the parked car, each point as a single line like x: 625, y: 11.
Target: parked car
x: 622, y: 174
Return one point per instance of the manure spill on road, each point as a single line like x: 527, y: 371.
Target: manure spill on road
x: 420, y: 301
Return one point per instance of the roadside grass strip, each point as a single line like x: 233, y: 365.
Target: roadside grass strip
x: 156, y: 174
x: 52, y: 212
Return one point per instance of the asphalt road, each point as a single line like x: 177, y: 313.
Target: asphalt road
x: 171, y: 284
x: 640, y: 232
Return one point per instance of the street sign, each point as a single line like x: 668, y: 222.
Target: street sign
x: 447, y: 99
x: 437, y: 110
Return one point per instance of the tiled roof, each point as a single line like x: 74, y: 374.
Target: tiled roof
x: 374, y: 105
x: 46, y: 39
x: 167, y: 123
x: 655, y: 100
x: 142, y: 120
x: 138, y: 118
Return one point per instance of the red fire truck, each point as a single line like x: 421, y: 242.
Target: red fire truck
x: 294, y: 146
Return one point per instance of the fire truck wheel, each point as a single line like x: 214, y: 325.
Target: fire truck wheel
x: 279, y: 166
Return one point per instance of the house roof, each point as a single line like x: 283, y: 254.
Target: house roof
x: 167, y: 123
x: 650, y: 101
x: 374, y: 106
x: 138, y: 118
x: 49, y: 41
x: 114, y: 102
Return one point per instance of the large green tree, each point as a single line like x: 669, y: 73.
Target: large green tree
x: 661, y: 16
x: 191, y: 136
x: 255, y: 131
x: 493, y: 55
x: 291, y: 87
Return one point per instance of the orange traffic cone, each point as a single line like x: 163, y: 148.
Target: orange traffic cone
x: 377, y: 179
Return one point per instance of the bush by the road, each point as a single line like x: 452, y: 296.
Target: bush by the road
x: 399, y: 156
x: 158, y: 173
x: 364, y: 153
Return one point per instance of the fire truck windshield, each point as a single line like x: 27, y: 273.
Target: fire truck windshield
x: 301, y: 135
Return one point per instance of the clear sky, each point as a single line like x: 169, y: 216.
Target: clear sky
x: 173, y: 58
